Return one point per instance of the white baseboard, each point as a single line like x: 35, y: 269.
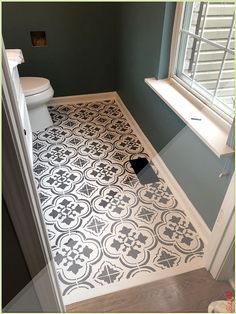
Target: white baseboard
x: 182, y: 198
x: 176, y: 189
x: 142, y: 137
x: 84, y: 97
x: 192, y: 213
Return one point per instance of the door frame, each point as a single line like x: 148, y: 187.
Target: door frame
x: 22, y: 200
x: 220, y: 250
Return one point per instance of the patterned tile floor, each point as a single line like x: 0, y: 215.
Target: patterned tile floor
x: 105, y: 228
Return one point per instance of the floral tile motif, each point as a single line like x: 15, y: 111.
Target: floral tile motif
x: 35, y: 158
x: 64, y: 110
x: 95, y: 149
x: 129, y: 243
x: 79, y: 162
x: 69, y: 123
x: 120, y: 126
x: 75, y: 256
x: 105, y: 228
x: 40, y: 169
x: 129, y: 143
x: 44, y: 197
x: 61, y: 180
x: 89, y: 130
x: 96, y: 225
x: 112, y: 111
x: 108, y: 273
x: 115, y: 202
x: 130, y: 181
x: 57, y: 155
x: 96, y: 106
x: 83, y: 114
x: 66, y: 212
x: 158, y: 194
x: 110, y: 136
x: 57, y: 116
x: 104, y: 172
x: 73, y: 141
x: 118, y: 156
x: 54, y: 135
x: 175, y: 229
x: 166, y: 259
x: 38, y: 146
x: 146, y: 214
x: 87, y: 189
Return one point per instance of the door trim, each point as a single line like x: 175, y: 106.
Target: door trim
x: 22, y: 199
x: 220, y: 250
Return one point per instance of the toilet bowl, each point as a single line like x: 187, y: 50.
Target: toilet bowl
x: 38, y: 91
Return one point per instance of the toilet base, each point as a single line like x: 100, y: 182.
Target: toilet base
x: 40, y: 118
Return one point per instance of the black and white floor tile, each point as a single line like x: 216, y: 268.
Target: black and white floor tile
x: 105, y: 228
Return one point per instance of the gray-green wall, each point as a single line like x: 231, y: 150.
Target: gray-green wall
x: 140, y: 37
x: 197, y: 170
x: 81, y: 54
x: 144, y: 52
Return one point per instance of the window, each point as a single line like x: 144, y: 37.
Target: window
x: 204, y: 63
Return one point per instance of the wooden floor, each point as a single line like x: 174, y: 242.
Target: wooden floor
x: 185, y: 293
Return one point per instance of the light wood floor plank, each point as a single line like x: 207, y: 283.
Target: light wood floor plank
x: 185, y: 293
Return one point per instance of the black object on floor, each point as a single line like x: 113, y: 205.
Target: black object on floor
x: 144, y: 171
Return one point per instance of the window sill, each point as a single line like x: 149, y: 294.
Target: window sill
x: 211, y: 129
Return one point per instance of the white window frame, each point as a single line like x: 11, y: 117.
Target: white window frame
x: 179, y: 83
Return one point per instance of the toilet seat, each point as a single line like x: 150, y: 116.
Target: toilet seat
x: 34, y: 85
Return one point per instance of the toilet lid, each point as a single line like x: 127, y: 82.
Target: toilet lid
x: 34, y: 85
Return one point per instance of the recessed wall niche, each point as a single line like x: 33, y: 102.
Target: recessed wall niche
x: 38, y: 39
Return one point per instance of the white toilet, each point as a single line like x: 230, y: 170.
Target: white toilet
x: 38, y: 91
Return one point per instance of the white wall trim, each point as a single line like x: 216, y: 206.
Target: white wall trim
x: 84, y: 97
x: 182, y: 197
x: 192, y: 213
